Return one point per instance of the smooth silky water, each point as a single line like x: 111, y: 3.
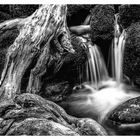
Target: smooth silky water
x: 100, y: 94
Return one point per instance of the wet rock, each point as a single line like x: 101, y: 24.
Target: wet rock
x: 131, y: 60
x: 129, y: 14
x: 125, y: 119
x: 30, y: 114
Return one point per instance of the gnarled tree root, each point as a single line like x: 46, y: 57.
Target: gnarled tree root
x: 46, y: 24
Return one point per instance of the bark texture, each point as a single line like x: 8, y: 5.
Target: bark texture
x: 46, y: 24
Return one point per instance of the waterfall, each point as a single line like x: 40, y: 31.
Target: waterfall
x: 101, y: 94
x: 117, y: 52
x: 96, y: 70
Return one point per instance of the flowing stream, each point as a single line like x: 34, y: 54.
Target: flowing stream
x: 100, y: 94
x: 96, y: 70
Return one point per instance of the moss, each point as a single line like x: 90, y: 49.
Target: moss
x: 131, y: 63
x: 129, y: 14
x: 127, y: 113
x: 102, y: 23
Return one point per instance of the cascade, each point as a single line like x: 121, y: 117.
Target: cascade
x: 96, y: 70
x: 117, y: 52
x: 101, y: 93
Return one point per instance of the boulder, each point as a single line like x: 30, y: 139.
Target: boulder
x: 131, y: 59
x: 129, y: 14
x: 102, y: 23
x: 30, y: 114
x: 125, y: 119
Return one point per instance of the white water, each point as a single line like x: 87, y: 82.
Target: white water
x: 101, y: 94
x: 96, y: 69
x: 117, y: 52
x: 97, y: 104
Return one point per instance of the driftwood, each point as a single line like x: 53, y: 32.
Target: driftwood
x: 35, y: 34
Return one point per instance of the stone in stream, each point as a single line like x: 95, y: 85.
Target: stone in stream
x: 125, y: 119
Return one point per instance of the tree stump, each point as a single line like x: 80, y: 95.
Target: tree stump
x: 35, y: 34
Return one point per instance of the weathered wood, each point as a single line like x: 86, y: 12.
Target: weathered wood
x: 36, y: 32
x: 11, y: 24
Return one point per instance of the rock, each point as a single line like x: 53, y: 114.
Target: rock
x: 131, y: 60
x: 57, y: 92
x: 33, y: 126
x: 102, y: 23
x: 102, y: 29
x: 30, y: 114
x: 125, y: 119
x: 129, y: 14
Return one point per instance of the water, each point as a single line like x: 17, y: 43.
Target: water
x: 96, y: 70
x: 97, y: 104
x: 101, y: 94
x: 117, y: 52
